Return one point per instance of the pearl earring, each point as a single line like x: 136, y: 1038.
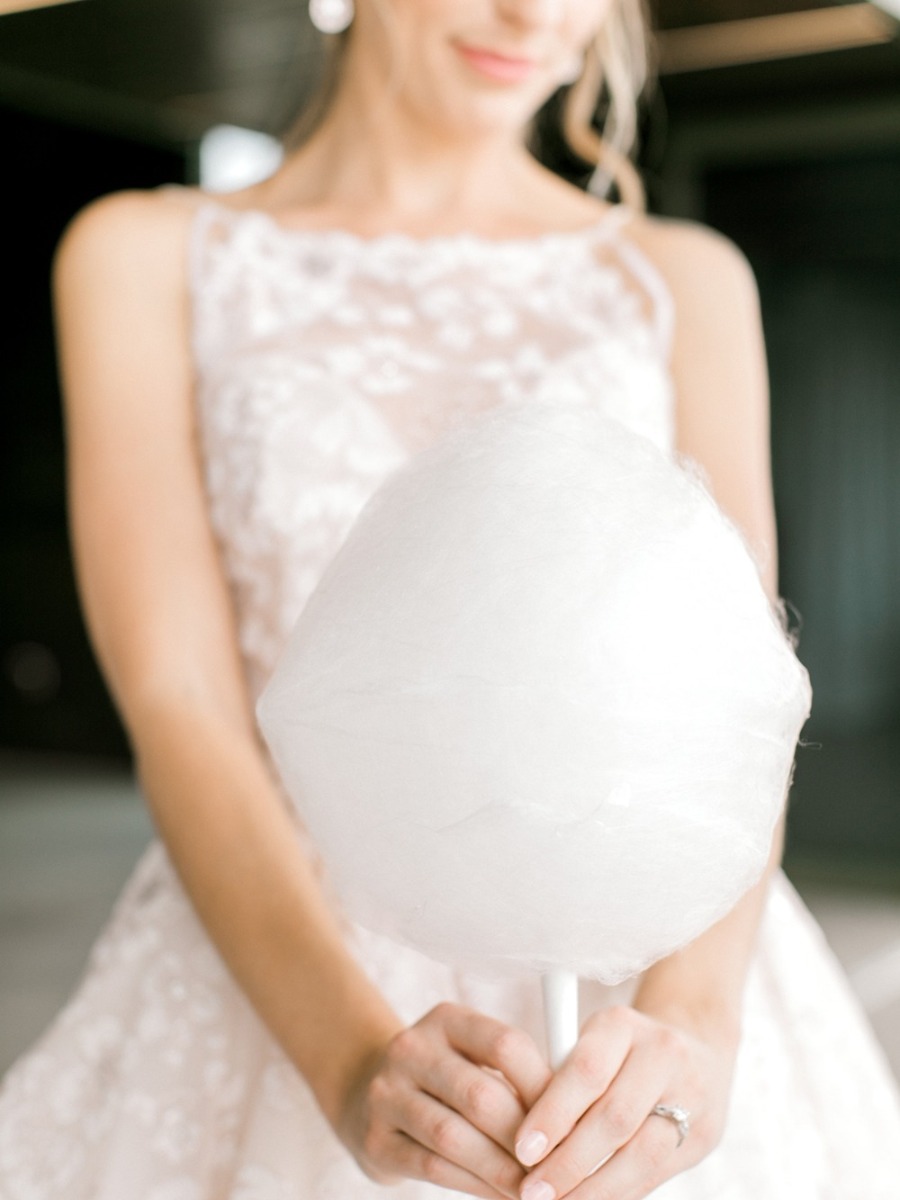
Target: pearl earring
x: 331, y: 16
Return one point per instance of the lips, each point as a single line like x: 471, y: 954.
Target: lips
x: 505, y: 68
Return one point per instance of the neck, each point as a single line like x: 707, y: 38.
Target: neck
x: 380, y: 164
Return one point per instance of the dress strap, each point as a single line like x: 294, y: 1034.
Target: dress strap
x: 206, y: 234
x: 203, y: 213
x: 645, y: 272
x: 617, y: 216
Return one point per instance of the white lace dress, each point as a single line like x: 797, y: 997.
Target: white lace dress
x: 322, y: 362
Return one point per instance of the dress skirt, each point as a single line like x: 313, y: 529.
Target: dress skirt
x: 157, y: 1081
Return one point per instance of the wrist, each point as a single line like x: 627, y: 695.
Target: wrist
x: 714, y: 1019
x: 348, y: 1059
x: 700, y: 988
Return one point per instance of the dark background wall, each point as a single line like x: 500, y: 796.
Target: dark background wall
x: 827, y: 259
x: 798, y: 160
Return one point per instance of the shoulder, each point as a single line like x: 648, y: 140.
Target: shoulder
x: 704, y: 269
x: 687, y: 249
x: 719, y: 369
x: 127, y: 235
x: 718, y: 347
x: 121, y: 303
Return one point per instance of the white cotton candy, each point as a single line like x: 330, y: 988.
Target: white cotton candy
x: 539, y: 712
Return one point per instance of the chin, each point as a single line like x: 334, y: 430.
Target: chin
x: 486, y: 114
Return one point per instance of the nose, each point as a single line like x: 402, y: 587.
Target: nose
x: 531, y: 12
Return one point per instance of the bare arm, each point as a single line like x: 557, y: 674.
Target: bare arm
x: 162, y: 626
x: 676, y: 1044
x: 722, y: 422
x: 161, y: 620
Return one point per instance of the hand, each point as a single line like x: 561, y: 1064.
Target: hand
x: 590, y: 1130
x: 441, y: 1102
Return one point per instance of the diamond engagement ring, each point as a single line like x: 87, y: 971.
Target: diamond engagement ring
x: 676, y: 1113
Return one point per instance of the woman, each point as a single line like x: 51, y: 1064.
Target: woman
x: 240, y: 374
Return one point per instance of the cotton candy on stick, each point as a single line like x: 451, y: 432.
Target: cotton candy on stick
x: 539, y: 713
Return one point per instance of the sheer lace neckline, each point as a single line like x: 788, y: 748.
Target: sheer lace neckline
x: 396, y: 240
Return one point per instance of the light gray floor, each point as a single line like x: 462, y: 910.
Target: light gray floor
x: 70, y: 834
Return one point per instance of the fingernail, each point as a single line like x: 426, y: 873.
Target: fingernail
x: 538, y: 1189
x: 529, y: 1150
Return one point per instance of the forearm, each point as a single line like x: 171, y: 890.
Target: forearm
x: 702, y: 985
x: 256, y: 892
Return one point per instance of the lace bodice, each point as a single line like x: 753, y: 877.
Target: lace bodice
x: 325, y: 359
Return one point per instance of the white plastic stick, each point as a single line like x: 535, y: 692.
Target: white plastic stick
x: 560, y: 1014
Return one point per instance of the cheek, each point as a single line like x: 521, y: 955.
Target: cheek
x: 423, y: 18
x: 586, y: 20
x: 413, y: 32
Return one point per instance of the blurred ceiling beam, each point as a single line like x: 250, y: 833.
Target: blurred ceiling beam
x: 11, y: 6
x: 781, y: 35
x: 176, y: 67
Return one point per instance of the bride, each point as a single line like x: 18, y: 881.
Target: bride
x: 240, y: 373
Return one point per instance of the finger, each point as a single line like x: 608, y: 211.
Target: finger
x: 612, y: 1122
x: 586, y: 1074
x: 476, y: 1093
x: 416, y: 1161
x: 509, y: 1050
x: 639, y: 1167
x: 452, y: 1138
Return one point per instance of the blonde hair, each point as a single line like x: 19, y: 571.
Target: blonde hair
x: 617, y: 69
